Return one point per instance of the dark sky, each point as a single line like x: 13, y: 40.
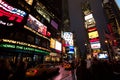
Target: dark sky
x: 77, y: 23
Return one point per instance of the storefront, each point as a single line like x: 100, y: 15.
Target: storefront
x: 16, y: 50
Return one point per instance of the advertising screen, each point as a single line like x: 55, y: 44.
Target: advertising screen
x: 10, y: 15
x: 52, y: 43
x: 54, y: 24
x: 88, y: 16
x: 95, y: 45
x: 71, y: 49
x: 58, y: 46
x: 94, y: 40
x: 91, y: 29
x: 36, y: 25
x: 102, y: 56
x: 68, y: 36
x: 93, y: 34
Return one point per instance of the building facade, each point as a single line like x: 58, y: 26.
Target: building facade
x: 26, y: 31
x: 90, y: 22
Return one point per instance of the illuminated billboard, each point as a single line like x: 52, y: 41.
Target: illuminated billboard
x: 22, y: 48
x: 96, y: 45
x: 58, y: 46
x: 93, y: 34
x: 88, y: 17
x: 10, y: 15
x: 68, y: 37
x: 54, y: 24
x: 94, y: 40
x: 52, y: 43
x: 89, y: 21
x: 71, y: 50
x: 91, y: 29
x: 36, y: 25
x: 103, y: 56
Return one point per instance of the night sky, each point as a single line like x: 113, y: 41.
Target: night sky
x: 77, y: 24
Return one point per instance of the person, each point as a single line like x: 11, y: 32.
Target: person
x: 81, y: 71
x: 101, y: 70
x: 88, y: 63
x: 20, y: 71
x: 72, y: 64
x: 5, y: 69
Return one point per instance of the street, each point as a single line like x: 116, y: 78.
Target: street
x: 63, y: 75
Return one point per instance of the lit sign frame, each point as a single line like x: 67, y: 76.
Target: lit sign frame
x: 13, y: 46
x: 30, y: 29
x: 8, y: 14
x: 93, y: 34
x: 95, y: 45
x: 11, y: 9
x: 35, y: 24
x: 23, y: 43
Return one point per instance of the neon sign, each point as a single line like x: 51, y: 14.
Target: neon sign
x: 92, y: 29
x: 13, y: 14
x: 12, y: 46
x: 11, y: 9
x: 6, y: 23
x: 23, y: 43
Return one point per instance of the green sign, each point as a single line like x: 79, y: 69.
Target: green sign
x: 23, y: 48
x: 7, y: 45
x: 19, y: 47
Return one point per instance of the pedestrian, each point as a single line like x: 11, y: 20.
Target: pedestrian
x: 101, y: 70
x: 5, y: 69
x: 72, y: 64
x: 20, y: 71
x: 81, y: 71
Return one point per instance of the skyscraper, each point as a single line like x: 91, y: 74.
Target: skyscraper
x: 90, y: 23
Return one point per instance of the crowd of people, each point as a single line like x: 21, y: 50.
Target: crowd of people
x: 97, y: 69
x: 10, y: 70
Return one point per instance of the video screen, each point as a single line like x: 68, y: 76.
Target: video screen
x: 33, y: 23
x: 102, y: 56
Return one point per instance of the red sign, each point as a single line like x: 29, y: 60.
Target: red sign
x: 92, y: 29
x: 11, y: 16
x: 94, y: 40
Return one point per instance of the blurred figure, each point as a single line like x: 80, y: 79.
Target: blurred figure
x: 5, y: 69
x: 72, y: 63
x: 101, y: 70
x: 81, y: 71
x: 88, y: 63
x: 20, y: 71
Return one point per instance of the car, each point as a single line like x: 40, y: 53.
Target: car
x: 42, y: 70
x: 67, y: 66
